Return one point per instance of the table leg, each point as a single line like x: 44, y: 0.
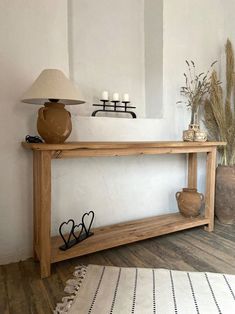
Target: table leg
x: 210, y: 188
x: 192, y: 170
x: 42, y: 210
x: 35, y: 207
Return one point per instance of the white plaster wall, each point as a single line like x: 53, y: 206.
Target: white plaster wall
x: 153, y: 34
x: 33, y: 36
x: 107, y: 50
x: 118, y: 46
x: 193, y: 30
x: 228, y: 12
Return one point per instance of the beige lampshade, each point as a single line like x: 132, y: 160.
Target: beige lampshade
x: 52, y: 84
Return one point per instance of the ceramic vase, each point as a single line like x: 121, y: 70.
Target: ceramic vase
x: 54, y: 123
x: 225, y: 194
x: 194, y: 134
x: 189, y: 202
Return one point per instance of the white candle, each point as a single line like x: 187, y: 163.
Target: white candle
x: 126, y: 97
x: 115, y: 96
x: 105, y: 95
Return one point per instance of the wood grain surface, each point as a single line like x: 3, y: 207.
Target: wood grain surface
x: 118, y: 145
x: 22, y: 290
x: 119, y: 234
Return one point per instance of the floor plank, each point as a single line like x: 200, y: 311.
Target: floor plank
x: 4, y: 302
x: 22, y: 290
x: 17, y: 295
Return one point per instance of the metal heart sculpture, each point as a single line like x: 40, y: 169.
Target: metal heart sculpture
x: 69, y: 235
x: 88, y: 218
x: 77, y: 232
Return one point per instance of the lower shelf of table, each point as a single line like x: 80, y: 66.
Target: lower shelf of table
x: 123, y: 233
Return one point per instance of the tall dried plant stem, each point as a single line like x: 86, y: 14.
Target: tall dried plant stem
x: 219, y: 114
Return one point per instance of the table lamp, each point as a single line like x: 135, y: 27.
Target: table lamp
x: 53, y: 89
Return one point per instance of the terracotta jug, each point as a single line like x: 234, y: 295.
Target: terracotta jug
x: 54, y: 123
x: 189, y: 202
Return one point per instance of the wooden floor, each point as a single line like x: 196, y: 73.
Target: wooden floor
x: 23, y: 292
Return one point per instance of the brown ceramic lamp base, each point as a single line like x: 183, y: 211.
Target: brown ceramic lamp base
x: 54, y: 123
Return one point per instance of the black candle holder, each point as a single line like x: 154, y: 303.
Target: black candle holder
x: 78, y: 233
x: 114, y: 108
x: 115, y: 102
x: 125, y: 104
x: 104, y: 103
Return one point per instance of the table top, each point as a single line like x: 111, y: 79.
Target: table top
x: 118, y: 145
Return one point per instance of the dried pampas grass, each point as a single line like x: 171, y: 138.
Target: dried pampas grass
x: 219, y: 117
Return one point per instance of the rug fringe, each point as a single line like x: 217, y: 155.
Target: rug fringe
x: 72, y: 288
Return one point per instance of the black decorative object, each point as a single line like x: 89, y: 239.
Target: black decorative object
x: 78, y: 233
x: 114, y: 108
x: 33, y: 139
x: 90, y: 216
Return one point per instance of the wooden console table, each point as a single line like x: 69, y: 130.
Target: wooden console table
x: 46, y: 248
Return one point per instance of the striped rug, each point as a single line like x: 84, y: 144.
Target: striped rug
x: 113, y: 290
